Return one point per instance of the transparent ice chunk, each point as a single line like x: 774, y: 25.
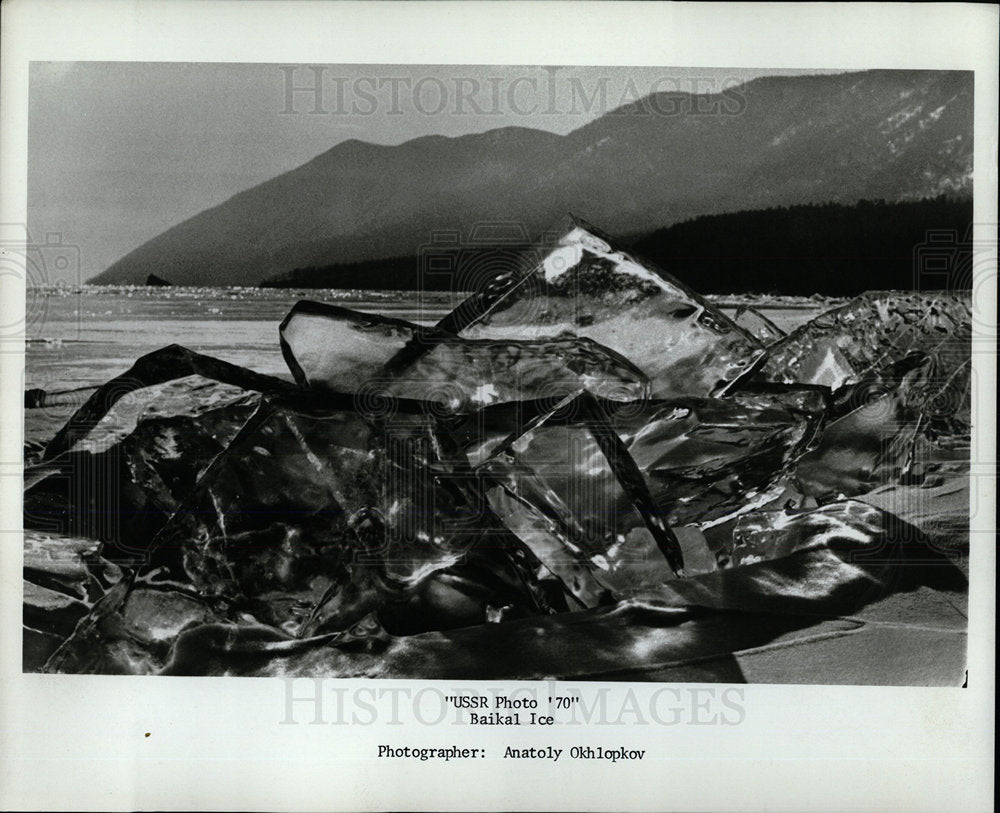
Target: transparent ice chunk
x: 581, y: 285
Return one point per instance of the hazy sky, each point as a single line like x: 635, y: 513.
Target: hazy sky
x: 118, y: 152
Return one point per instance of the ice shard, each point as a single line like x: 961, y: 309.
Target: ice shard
x: 128, y: 457
x: 316, y: 515
x: 63, y: 577
x: 336, y: 349
x: 872, y: 438
x: 168, y: 380
x: 574, y: 496
x: 872, y: 331
x: 757, y: 324
x: 130, y: 630
x: 581, y: 285
x: 681, y: 464
x: 702, y: 458
x: 706, y: 460
x: 829, y: 560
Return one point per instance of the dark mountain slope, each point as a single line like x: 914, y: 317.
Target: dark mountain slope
x: 834, y: 249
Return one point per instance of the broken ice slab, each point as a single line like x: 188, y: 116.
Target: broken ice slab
x: 706, y: 460
x: 316, y: 514
x: 873, y: 442
x: 133, y: 451
x: 830, y: 560
x: 571, y: 492
x: 860, y: 540
x: 270, y: 519
x: 111, y: 412
x: 877, y: 328
x: 583, y: 286
x: 593, y: 487
x: 766, y: 535
x: 378, y: 357
x: 67, y: 564
x: 757, y: 324
x: 130, y: 630
x: 703, y: 459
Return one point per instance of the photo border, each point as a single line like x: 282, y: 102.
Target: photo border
x: 95, y: 742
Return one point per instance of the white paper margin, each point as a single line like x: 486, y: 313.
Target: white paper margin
x: 216, y: 743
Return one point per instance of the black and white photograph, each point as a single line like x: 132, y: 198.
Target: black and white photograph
x: 664, y: 375
x: 573, y: 374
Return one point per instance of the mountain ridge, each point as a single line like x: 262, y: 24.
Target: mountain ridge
x: 774, y: 141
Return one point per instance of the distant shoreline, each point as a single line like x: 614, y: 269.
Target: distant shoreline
x: 778, y: 301
x: 247, y: 291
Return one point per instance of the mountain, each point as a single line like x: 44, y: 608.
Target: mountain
x: 775, y: 141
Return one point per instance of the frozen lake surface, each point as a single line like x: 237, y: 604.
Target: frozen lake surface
x: 83, y: 339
